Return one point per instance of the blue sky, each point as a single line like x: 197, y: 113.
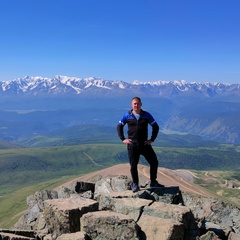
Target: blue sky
x: 145, y: 40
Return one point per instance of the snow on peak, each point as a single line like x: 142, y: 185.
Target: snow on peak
x: 65, y: 84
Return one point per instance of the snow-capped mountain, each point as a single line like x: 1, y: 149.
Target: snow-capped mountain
x: 64, y: 85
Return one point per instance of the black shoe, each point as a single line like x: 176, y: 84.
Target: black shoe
x: 156, y: 185
x: 135, y: 187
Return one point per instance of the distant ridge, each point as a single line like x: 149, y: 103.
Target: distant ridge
x: 40, y: 105
x: 65, y: 85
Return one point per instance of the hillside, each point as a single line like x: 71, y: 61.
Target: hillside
x: 220, y: 184
x: 8, y: 145
x: 182, y: 178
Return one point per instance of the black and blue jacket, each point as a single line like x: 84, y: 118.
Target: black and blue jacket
x: 138, y: 129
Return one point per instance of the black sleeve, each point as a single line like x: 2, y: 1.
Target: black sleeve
x: 155, y: 130
x: 120, y: 131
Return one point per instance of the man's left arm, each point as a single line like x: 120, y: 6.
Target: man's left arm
x: 155, y: 130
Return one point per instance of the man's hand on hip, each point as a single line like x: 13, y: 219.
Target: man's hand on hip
x: 127, y: 141
x: 148, y: 142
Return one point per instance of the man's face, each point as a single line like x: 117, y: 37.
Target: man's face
x: 136, y: 105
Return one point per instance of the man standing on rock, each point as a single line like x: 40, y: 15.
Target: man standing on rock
x: 138, y: 142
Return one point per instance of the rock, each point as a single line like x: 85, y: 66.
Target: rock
x: 209, y: 226
x: 133, y: 207
x: 170, y: 195
x: 73, y: 236
x: 47, y: 237
x: 223, y: 214
x: 40, y: 226
x: 63, y: 215
x: 16, y: 235
x: 85, y: 189
x: 39, y: 197
x: 209, y: 236
x: 127, y: 203
x: 161, y: 229
x: 111, y: 184
x: 10, y: 236
x: 168, y: 211
x: 35, y: 206
x: 109, y: 225
x: 178, y: 213
x: 233, y: 236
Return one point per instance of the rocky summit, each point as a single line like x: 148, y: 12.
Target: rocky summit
x: 104, y: 207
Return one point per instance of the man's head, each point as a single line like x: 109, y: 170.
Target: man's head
x: 136, y: 104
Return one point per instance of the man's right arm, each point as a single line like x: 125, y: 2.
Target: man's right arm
x: 121, y: 134
x: 120, y: 131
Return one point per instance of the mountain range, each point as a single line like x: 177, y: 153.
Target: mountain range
x: 64, y: 85
x: 33, y: 106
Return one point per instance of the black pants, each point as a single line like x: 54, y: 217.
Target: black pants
x: 134, y: 152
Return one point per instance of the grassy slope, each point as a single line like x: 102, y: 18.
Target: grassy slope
x: 13, y: 204
x: 223, y: 184
x: 20, y: 167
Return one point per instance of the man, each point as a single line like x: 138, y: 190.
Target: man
x: 138, y: 142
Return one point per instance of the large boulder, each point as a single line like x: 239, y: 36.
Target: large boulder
x: 209, y: 211
x: 139, y: 208
x: 109, y: 225
x: 63, y: 216
x: 111, y: 184
x: 161, y: 229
